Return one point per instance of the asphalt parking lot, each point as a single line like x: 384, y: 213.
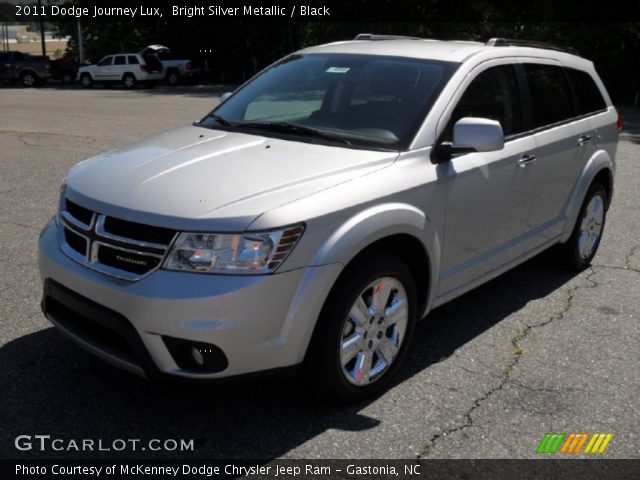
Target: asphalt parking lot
x: 537, y: 350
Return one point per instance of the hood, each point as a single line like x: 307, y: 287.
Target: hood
x: 194, y: 177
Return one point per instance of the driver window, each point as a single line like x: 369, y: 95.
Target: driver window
x: 492, y: 94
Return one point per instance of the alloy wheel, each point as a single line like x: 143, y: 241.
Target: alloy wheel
x: 591, y: 226
x: 373, y: 331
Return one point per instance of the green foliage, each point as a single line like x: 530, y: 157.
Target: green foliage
x: 241, y: 48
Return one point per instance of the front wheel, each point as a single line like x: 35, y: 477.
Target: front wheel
x: 67, y: 78
x: 587, y: 232
x: 364, y: 329
x: 129, y: 81
x: 86, y: 81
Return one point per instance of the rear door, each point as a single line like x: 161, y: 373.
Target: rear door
x: 119, y: 67
x: 486, y: 205
x: 564, y: 138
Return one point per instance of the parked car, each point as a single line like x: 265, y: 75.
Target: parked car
x: 176, y: 69
x: 327, y: 205
x: 29, y: 70
x: 130, y: 69
x: 65, y: 69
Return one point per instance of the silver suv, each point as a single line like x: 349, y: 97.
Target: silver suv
x: 327, y: 205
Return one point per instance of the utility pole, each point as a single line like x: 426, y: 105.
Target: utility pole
x: 5, y: 37
x: 44, y: 46
x: 80, y: 43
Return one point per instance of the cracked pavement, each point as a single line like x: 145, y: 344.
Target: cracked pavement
x: 539, y: 349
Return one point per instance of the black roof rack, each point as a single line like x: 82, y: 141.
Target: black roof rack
x: 507, y: 42
x: 374, y: 36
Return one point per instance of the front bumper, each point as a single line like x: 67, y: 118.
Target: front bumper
x: 259, y: 322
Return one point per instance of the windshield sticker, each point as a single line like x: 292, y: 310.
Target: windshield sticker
x: 338, y: 69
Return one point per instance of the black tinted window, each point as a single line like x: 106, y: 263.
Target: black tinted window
x: 133, y: 60
x: 589, y: 96
x: 492, y: 94
x: 5, y: 57
x: 120, y: 60
x: 550, y: 94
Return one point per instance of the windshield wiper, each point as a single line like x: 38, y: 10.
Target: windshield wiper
x: 285, y: 127
x: 218, y: 118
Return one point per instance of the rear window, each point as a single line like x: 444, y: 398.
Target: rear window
x: 551, y: 96
x: 589, y: 97
x: 120, y: 60
x: 133, y: 60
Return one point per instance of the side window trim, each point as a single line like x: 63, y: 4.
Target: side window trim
x: 525, y: 99
x: 574, y: 93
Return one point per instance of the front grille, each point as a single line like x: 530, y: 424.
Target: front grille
x: 114, y: 246
x: 78, y: 212
x: 75, y: 241
x: 144, y: 233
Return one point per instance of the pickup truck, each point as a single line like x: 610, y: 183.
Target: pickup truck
x: 30, y: 70
x: 176, y: 69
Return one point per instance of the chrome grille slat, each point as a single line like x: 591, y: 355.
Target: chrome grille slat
x: 101, y: 244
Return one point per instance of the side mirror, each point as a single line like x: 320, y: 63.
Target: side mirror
x: 225, y: 95
x: 470, y: 134
x: 477, y: 134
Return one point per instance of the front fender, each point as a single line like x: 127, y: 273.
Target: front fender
x: 598, y: 162
x: 378, y: 222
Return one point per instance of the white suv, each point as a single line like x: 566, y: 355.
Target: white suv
x: 126, y: 68
x: 327, y: 205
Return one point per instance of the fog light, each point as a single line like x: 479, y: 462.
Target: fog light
x: 197, y: 355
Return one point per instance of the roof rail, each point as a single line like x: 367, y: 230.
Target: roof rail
x: 507, y: 42
x: 374, y: 36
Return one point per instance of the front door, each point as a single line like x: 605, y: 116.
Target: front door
x: 487, y: 207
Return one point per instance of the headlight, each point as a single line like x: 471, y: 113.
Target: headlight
x: 246, y: 253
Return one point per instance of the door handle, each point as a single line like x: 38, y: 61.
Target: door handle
x: 526, y: 159
x: 584, y: 139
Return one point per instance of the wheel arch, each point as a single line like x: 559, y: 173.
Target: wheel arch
x: 400, y: 229
x: 28, y: 70
x: 600, y: 167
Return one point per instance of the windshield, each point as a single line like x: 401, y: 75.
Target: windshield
x: 364, y: 100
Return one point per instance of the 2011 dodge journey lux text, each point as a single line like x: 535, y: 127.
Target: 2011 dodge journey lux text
x: 327, y: 205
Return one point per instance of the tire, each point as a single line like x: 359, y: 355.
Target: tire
x: 28, y: 79
x: 173, y: 77
x: 129, y: 80
x: 67, y: 78
x: 347, y: 337
x: 86, y: 81
x: 585, y: 239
